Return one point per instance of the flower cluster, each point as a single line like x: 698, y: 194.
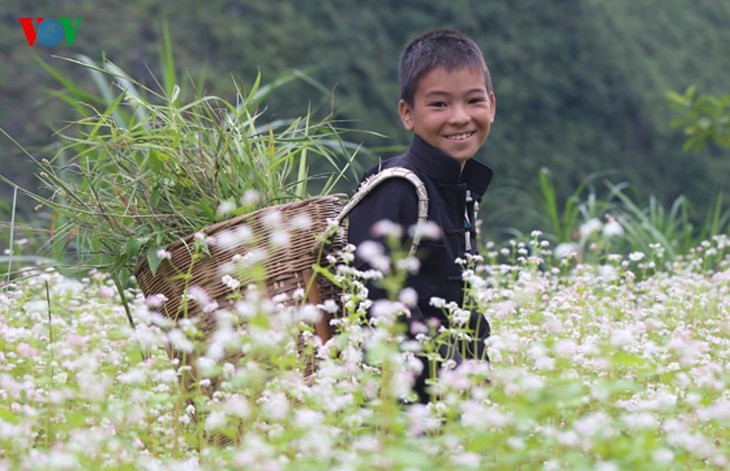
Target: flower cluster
x: 589, y: 369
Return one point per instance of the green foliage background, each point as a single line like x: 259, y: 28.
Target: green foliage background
x: 580, y: 84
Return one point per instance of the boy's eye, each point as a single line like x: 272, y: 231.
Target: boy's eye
x: 437, y: 104
x: 478, y: 100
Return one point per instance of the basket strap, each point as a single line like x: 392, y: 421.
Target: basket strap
x: 373, y: 181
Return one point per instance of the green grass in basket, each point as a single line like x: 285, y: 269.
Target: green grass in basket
x: 148, y: 168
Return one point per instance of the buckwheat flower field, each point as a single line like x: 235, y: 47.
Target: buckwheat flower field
x: 616, y: 366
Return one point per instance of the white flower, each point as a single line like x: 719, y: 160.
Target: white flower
x: 607, y: 272
x: 369, y: 249
x: 307, y: 418
x: 565, y: 348
x: 466, y: 459
x: 409, y: 264
x: 408, y: 296
x: 26, y: 350
x: 163, y: 254
x: 232, y: 238
x: 301, y: 222
x: 156, y: 300
x: 613, y: 229
x: 205, y: 365
x: 591, y: 226
x: 230, y: 282
x: 62, y: 460
x: 419, y: 328
x: 106, y: 292
x: 254, y: 257
x: 663, y: 456
x: 279, y: 238
x: 211, y: 307
x: 310, y: 314
x: 215, y: 420
x: 237, y: 406
x: 272, y: 219
x: 225, y: 207
x: 330, y: 306
x: 276, y: 406
x: 566, y: 249
x: 372, y: 253
x: 606, y: 466
x: 199, y: 295
x: 620, y: 338
x: 420, y: 419
x: 250, y: 198
x: 437, y: 302
x: 429, y: 230
x: 545, y: 363
x: 386, y: 228
x: 569, y: 438
x: 460, y: 317
x: 516, y: 443
x: 636, y: 256
x: 384, y: 308
x: 589, y: 426
x: 640, y: 420
x: 178, y: 340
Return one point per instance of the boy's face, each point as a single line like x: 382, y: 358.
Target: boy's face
x: 452, y: 111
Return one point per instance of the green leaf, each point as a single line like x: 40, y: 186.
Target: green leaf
x: 8, y: 416
x: 208, y: 209
x: 154, y: 161
x: 153, y: 261
x: 133, y: 247
x: 167, y: 61
x: 155, y: 196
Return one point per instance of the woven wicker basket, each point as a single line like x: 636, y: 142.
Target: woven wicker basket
x: 287, y: 267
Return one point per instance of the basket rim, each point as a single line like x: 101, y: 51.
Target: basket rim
x: 218, y: 226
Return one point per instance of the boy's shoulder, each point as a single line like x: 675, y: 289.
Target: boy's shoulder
x: 394, y: 189
x: 393, y: 162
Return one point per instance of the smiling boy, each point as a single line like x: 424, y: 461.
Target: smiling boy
x: 446, y: 99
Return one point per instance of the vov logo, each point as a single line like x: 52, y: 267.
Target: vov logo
x: 50, y: 32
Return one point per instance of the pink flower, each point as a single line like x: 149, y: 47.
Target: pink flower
x: 199, y: 295
x: 163, y: 254
x: 156, y: 300
x: 386, y: 228
x: 106, y: 292
x: 27, y: 351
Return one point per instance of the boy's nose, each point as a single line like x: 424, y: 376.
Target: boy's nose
x: 459, y: 115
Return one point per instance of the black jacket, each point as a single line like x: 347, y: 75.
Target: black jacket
x: 452, y: 194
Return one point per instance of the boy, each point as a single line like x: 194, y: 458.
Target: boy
x: 446, y: 99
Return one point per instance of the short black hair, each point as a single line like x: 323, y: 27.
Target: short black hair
x: 439, y: 48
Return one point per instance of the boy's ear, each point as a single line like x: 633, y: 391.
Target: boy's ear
x: 406, y: 115
x: 492, y: 107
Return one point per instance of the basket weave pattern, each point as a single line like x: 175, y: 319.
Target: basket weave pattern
x: 287, y: 266
x: 287, y: 263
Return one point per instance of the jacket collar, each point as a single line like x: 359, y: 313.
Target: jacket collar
x: 445, y: 169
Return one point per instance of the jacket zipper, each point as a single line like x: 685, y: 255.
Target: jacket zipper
x: 467, y: 222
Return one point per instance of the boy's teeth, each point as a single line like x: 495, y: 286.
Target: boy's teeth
x: 459, y: 137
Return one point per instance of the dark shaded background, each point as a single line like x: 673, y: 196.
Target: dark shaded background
x: 580, y: 84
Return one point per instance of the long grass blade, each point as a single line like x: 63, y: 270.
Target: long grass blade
x: 12, y: 235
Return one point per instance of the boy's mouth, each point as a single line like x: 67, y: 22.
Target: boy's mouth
x: 460, y: 137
